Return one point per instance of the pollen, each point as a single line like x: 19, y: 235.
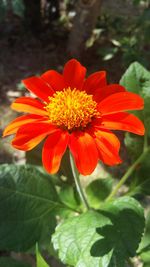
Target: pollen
x: 71, y: 109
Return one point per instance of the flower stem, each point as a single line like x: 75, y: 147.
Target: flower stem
x: 127, y: 174
x: 78, y: 184
x: 145, y: 142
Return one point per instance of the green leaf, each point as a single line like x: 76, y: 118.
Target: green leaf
x: 2, y: 10
x: 134, y: 145
x: 27, y: 203
x: 145, y: 243
x: 101, y: 239
x: 75, y: 236
x: 18, y: 7
x: 124, y: 235
x: 141, y: 182
x: 136, y: 79
x: 69, y: 197
x: 145, y: 257
x: 98, y: 190
x: 9, y: 262
x: 40, y: 262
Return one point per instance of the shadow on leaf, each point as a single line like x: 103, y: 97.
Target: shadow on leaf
x: 121, y: 237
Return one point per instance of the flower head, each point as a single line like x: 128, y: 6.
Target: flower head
x: 75, y: 112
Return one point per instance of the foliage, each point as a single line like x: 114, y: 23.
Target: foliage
x: 110, y: 238
x: 98, y: 190
x: 7, y: 261
x: 114, y: 34
x: 124, y: 37
x: 137, y: 79
x: 16, y: 5
x: 28, y: 199
x: 144, y: 249
x: 2, y: 10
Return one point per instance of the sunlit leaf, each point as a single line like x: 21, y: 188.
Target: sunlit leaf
x: 145, y: 243
x: 105, y: 238
x: 136, y: 79
x: 40, y: 262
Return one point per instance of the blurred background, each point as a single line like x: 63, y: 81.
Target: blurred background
x: 39, y: 35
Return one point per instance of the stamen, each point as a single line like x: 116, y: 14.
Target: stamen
x: 71, y: 109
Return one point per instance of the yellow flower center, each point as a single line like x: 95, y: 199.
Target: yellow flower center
x: 71, y: 109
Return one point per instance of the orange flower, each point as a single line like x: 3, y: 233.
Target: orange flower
x: 77, y: 113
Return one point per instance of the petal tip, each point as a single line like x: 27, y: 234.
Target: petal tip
x: 119, y: 161
x: 141, y: 131
x: 5, y: 133
x: 24, y: 81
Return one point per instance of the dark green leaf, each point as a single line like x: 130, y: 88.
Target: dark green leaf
x: 134, y: 145
x: 124, y: 235
x: 9, y: 262
x: 101, y: 239
x: 98, y: 190
x: 69, y: 197
x: 2, y: 10
x: 27, y: 201
x: 141, y: 182
x: 18, y: 7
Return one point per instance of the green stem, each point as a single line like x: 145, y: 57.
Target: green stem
x: 78, y: 184
x: 145, y: 135
x: 127, y: 174
x: 145, y: 142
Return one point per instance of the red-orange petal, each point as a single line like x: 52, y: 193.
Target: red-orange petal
x: 53, y: 150
x: 74, y: 74
x: 38, y: 87
x: 31, y: 134
x: 84, y: 151
x: 106, y: 91
x: 20, y: 121
x: 54, y: 79
x: 95, y: 81
x: 120, y: 102
x: 123, y: 121
x: 108, y: 146
x: 29, y: 105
